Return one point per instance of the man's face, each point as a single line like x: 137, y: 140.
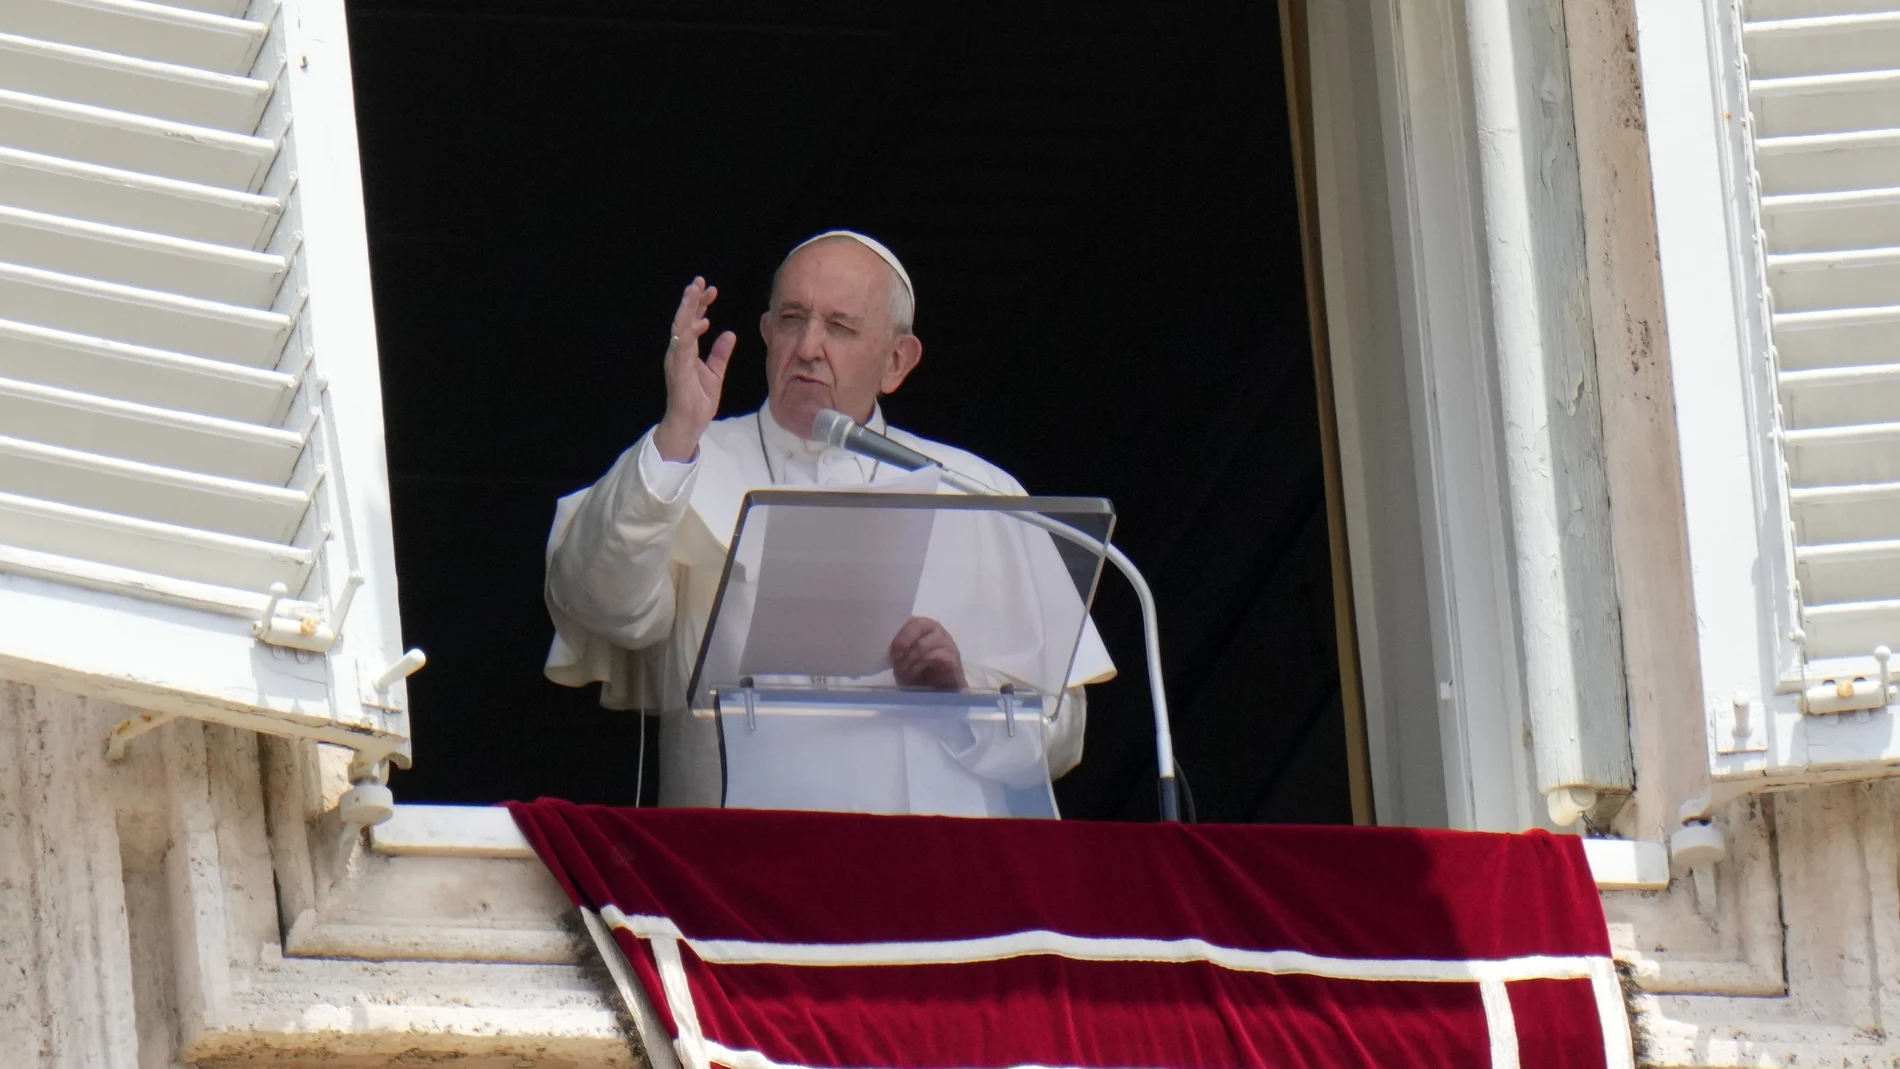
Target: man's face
x: 829, y: 340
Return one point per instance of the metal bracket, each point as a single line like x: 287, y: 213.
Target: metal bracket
x: 132, y: 728
x: 1698, y: 847
x: 369, y: 801
x: 1567, y: 805
x: 371, y: 753
x: 751, y: 699
x: 306, y: 631
x: 404, y: 667
x: 374, y: 684
x: 1741, y: 726
x: 1857, y: 694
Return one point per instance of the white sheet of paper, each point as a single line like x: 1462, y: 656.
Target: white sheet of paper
x: 835, y: 585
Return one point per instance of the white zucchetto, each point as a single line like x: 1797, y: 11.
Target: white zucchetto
x: 871, y: 243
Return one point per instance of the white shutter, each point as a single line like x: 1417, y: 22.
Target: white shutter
x: 189, y: 406
x: 1825, y: 91
x: 1775, y: 139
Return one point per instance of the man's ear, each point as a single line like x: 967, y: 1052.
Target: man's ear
x: 904, y: 356
x: 765, y: 328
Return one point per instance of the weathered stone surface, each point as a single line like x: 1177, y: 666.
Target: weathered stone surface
x: 142, y: 918
x: 1798, y: 961
x: 142, y: 924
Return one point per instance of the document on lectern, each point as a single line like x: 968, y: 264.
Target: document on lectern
x: 833, y: 587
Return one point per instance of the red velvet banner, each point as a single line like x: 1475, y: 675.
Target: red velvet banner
x: 767, y: 939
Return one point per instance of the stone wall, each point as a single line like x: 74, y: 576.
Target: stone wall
x: 1796, y: 962
x: 142, y: 918
x: 143, y: 912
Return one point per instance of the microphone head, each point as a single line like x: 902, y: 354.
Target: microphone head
x: 831, y: 427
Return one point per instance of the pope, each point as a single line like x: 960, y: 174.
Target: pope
x: 634, y: 561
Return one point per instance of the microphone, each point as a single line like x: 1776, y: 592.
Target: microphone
x: 837, y: 429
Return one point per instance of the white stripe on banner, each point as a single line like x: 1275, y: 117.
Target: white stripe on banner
x: 646, y: 1021
x: 752, y: 1059
x: 1489, y: 974
x: 691, y: 1045
x: 1499, y: 1023
x: 1612, y: 1015
x: 1093, y: 948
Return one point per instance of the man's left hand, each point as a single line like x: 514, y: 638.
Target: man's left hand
x: 924, y: 655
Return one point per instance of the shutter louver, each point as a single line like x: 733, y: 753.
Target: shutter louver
x: 188, y: 389
x: 144, y: 424
x: 1824, y: 91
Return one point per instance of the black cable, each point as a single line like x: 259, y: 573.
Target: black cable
x: 640, y: 763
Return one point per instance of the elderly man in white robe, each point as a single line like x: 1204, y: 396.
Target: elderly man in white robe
x: 634, y: 562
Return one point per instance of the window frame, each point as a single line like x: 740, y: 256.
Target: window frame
x: 1446, y: 369
x: 1402, y: 238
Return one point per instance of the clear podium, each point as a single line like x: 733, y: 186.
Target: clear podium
x: 795, y: 663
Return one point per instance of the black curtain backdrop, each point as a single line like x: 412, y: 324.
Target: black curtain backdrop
x: 1096, y: 203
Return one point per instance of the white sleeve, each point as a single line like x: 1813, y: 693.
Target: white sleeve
x: 664, y: 478
x: 609, y: 555
x: 1023, y: 759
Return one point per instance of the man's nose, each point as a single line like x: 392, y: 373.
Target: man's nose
x: 811, y: 342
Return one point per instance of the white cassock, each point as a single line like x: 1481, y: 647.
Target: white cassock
x: 633, y: 569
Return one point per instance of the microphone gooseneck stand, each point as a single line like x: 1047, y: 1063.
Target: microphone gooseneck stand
x: 831, y: 426
x: 1150, y: 626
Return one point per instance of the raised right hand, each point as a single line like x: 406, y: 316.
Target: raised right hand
x: 692, y: 384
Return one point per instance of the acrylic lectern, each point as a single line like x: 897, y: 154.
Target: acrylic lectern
x: 795, y: 664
